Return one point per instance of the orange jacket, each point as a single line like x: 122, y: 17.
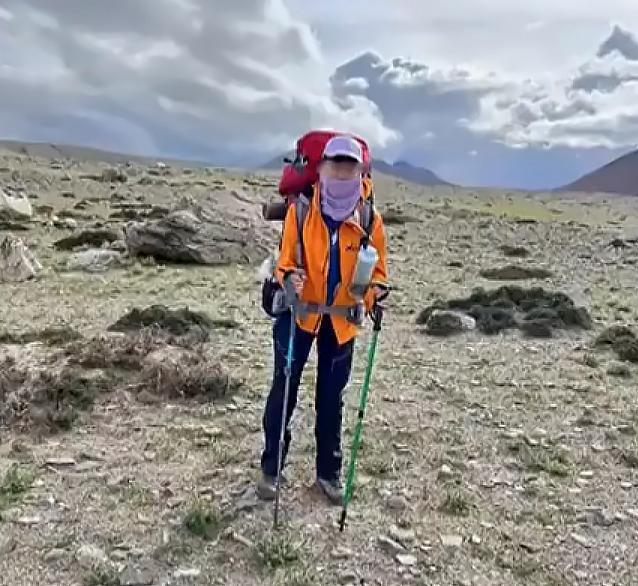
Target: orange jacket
x: 316, y: 256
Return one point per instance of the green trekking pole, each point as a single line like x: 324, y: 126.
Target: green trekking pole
x: 363, y: 399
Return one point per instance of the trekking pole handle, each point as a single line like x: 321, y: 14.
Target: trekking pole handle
x: 292, y: 298
x: 289, y: 288
x: 289, y: 291
x: 377, y: 316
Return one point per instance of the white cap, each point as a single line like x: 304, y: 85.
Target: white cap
x: 343, y: 146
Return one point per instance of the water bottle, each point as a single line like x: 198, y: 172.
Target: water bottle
x: 366, y: 262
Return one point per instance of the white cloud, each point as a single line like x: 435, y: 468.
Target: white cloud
x: 201, y: 75
x: 448, y: 113
x: 238, y: 81
x: 535, y: 25
x: 408, y: 92
x: 491, y: 34
x: 596, y: 107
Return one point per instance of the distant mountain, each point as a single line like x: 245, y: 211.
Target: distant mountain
x: 400, y: 170
x: 82, y: 153
x: 620, y: 177
x: 278, y: 162
x: 408, y: 172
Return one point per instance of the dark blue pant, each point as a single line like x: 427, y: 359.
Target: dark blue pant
x: 333, y: 372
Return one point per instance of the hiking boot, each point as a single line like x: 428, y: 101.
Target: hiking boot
x: 267, y: 486
x: 332, y: 490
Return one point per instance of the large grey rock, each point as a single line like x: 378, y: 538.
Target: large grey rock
x: 15, y: 206
x: 443, y: 323
x: 17, y: 262
x: 217, y: 231
x: 93, y: 260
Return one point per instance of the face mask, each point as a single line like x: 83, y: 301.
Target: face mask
x: 339, y: 197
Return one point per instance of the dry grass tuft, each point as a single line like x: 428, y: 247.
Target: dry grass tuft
x: 49, y: 399
x: 114, y: 352
x: 196, y: 377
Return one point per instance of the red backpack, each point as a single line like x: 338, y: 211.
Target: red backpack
x: 300, y: 174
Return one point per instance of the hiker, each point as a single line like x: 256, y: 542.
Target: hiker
x: 332, y: 236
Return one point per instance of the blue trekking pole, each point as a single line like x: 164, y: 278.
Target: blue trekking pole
x: 284, y: 410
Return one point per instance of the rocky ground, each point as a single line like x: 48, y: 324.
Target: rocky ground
x: 128, y: 452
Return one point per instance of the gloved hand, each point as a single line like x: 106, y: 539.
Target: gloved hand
x: 293, y: 285
x: 298, y: 280
x: 380, y: 293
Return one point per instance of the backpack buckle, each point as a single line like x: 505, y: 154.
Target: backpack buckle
x: 356, y: 314
x: 300, y: 162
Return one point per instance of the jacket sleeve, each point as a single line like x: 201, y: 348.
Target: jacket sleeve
x: 286, y: 261
x: 380, y: 272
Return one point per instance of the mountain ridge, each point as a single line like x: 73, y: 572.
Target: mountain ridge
x: 49, y: 150
x: 399, y: 169
x: 619, y: 176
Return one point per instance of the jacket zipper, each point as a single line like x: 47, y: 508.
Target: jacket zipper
x: 326, y: 265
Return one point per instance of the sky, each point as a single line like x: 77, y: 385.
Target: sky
x: 482, y: 92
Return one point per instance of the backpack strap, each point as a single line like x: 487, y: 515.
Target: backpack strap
x: 368, y: 179
x: 302, y: 205
x: 366, y: 218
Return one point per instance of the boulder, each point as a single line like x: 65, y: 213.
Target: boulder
x: 220, y: 230
x: 17, y: 262
x: 444, y: 323
x: 93, y: 260
x: 15, y: 206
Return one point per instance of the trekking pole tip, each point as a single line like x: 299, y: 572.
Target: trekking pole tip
x: 342, y: 521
